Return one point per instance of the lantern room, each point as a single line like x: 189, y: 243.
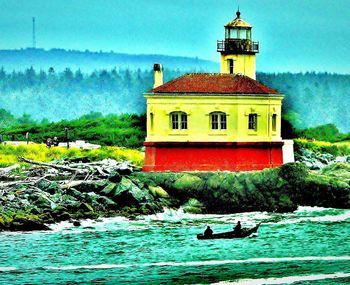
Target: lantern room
x: 238, y: 49
x: 238, y: 29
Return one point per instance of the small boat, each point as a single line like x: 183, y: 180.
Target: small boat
x: 232, y: 234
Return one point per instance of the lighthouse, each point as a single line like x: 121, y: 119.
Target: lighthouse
x: 215, y: 121
x: 238, y: 50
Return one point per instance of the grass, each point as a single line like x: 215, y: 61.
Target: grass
x: 338, y: 148
x: 39, y: 152
x: 127, y: 130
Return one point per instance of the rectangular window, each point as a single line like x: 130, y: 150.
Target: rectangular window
x: 274, y: 122
x: 175, y: 121
x: 184, y: 121
x: 214, y: 121
x: 243, y: 34
x: 223, y: 121
x: 253, y: 122
x: 151, y: 123
x: 230, y: 65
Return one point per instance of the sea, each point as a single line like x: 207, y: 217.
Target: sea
x: 308, y: 246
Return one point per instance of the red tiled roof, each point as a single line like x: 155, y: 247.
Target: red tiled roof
x: 214, y: 83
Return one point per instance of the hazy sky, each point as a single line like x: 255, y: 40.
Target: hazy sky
x: 294, y: 35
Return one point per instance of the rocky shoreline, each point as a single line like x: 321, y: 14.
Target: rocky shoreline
x: 318, y: 160
x: 35, y: 197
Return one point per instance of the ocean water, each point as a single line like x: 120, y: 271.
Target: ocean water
x: 309, y: 246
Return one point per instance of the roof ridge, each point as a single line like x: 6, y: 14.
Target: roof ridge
x: 222, y: 83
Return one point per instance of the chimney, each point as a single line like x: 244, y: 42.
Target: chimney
x: 158, y: 75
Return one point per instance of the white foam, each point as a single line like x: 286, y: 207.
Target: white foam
x: 100, y: 225
x: 98, y: 266
x: 171, y: 215
x: 10, y: 268
x: 285, y: 280
x: 206, y: 262
x: 311, y: 209
x: 327, y: 218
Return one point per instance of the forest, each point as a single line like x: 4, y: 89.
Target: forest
x: 311, y: 99
x: 44, y: 102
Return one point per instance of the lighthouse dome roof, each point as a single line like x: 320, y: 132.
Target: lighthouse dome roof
x: 238, y: 22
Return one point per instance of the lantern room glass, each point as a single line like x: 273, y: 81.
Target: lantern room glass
x: 238, y: 33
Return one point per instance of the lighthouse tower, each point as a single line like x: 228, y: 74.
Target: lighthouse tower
x: 238, y: 49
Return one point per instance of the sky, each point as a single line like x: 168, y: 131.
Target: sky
x: 294, y: 35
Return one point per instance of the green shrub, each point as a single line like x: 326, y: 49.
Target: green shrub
x: 293, y: 172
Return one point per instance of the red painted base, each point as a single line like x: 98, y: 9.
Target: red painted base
x: 202, y: 156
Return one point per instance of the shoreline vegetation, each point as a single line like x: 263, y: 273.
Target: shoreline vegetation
x: 35, y: 196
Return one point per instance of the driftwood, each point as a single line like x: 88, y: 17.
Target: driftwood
x: 6, y: 170
x: 70, y: 184
x: 59, y: 167
x: 66, y: 174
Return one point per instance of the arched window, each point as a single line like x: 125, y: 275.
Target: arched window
x: 218, y: 121
x: 178, y: 120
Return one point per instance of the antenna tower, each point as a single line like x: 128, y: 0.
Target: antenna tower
x: 33, y: 33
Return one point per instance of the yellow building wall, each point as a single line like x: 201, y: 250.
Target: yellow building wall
x: 243, y: 63
x: 198, y: 108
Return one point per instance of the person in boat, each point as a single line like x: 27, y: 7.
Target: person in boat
x: 208, y: 232
x: 238, y: 228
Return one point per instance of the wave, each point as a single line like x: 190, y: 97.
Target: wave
x: 205, y: 263
x: 327, y: 218
x: 311, y: 209
x: 285, y: 280
x: 10, y: 268
x: 196, y: 263
x: 89, y: 224
x: 251, y: 218
x: 170, y: 216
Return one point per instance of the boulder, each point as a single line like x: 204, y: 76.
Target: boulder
x: 27, y: 224
x: 158, y: 192
x: 59, y: 210
x: 339, y: 169
x: 47, y: 186
x: 187, y: 182
x: 285, y: 204
x: 107, y: 202
x: 114, y: 177
x: 44, y: 203
x: 94, y: 186
x: 193, y: 206
x: 109, y: 189
x: 293, y: 172
x: 85, y: 207
x: 124, y: 168
x: 65, y: 216
x: 75, y: 193
x: 70, y: 202
x: 127, y: 194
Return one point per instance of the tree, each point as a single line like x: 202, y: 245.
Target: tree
x: 6, y: 119
x: 25, y: 119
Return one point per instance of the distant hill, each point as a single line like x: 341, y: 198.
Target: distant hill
x: 68, y: 84
x: 88, y: 61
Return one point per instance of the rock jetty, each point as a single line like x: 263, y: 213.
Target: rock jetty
x: 35, y: 196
